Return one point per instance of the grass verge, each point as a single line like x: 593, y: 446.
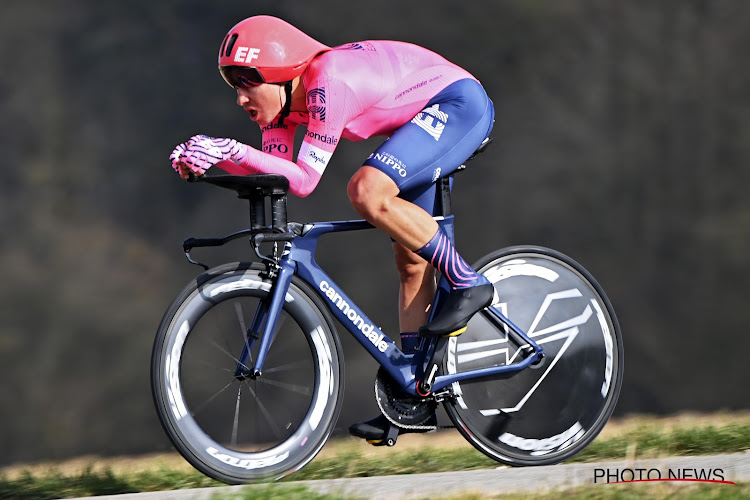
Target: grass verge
x: 635, y: 438
x: 601, y: 492
x: 626, y: 492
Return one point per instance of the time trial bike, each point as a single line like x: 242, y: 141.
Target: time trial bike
x: 247, y: 368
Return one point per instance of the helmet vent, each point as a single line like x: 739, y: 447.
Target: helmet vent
x: 223, y: 44
x: 232, y: 39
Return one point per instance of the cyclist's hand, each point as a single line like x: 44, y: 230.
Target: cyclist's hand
x: 202, y: 152
x: 177, y: 165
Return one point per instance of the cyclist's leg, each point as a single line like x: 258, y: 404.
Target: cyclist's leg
x: 395, y: 190
x: 417, y: 276
x: 430, y: 146
x: 416, y: 293
x: 374, y: 197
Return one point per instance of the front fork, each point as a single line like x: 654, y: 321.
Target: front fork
x: 244, y: 370
x: 264, y: 323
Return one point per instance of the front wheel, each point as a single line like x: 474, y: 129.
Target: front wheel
x: 229, y: 425
x: 547, y: 412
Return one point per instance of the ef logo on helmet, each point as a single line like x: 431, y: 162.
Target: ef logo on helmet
x: 246, y: 54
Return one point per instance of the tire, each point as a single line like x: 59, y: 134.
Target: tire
x: 235, y: 430
x: 546, y: 413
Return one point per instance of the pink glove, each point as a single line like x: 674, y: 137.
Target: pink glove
x: 202, y: 152
x: 175, y: 158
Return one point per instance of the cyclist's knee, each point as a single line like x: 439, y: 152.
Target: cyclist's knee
x: 370, y: 191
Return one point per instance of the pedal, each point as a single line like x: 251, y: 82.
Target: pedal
x: 390, y: 438
x: 424, y: 387
x: 456, y: 333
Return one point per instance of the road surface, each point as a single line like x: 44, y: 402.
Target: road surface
x: 721, y: 470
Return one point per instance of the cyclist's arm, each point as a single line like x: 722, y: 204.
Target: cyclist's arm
x: 276, y: 158
x: 303, y: 178
x: 324, y: 128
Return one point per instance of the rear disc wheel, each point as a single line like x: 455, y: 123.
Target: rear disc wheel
x: 548, y: 412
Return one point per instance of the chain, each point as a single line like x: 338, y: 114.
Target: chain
x: 406, y: 426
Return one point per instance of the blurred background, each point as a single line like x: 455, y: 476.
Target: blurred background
x: 622, y: 139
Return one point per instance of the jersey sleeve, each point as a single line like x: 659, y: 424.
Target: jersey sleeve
x: 275, y: 158
x: 302, y: 178
x: 330, y: 106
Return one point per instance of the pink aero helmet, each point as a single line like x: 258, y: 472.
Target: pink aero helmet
x: 265, y: 49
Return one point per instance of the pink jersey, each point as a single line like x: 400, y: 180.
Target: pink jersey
x: 355, y: 91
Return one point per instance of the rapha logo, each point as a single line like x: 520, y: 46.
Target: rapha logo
x: 316, y: 104
x: 432, y: 121
x: 316, y: 158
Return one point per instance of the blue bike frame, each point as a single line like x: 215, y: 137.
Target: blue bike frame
x: 405, y: 369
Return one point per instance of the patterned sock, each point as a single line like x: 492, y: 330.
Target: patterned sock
x: 439, y: 252
x: 409, y: 342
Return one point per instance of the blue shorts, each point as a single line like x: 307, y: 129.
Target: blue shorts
x: 436, y: 141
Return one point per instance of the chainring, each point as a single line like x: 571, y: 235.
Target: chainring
x: 400, y: 408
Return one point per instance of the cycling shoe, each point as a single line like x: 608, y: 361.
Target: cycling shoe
x: 457, y: 310
x: 376, y: 429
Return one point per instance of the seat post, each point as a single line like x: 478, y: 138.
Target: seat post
x: 443, y: 190
x: 257, y: 210
x: 278, y: 210
x: 256, y: 188
x: 443, y: 193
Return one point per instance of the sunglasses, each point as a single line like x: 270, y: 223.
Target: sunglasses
x: 240, y: 77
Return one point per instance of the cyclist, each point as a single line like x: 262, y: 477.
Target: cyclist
x: 434, y: 113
